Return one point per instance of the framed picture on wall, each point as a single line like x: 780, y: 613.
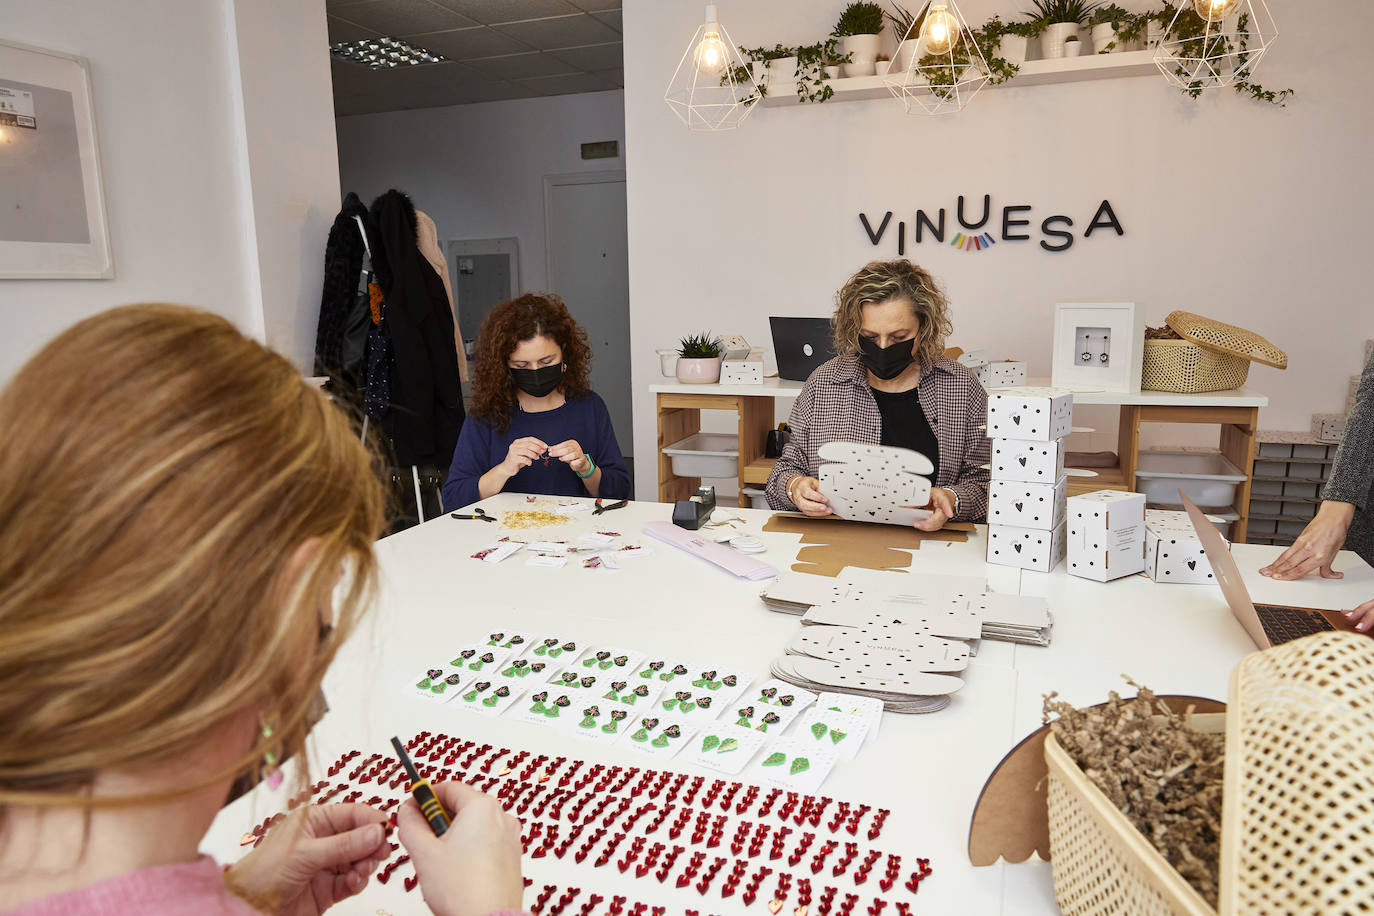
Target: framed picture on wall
x: 52, y: 202
x: 1098, y: 346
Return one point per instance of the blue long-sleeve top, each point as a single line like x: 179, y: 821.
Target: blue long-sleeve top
x: 582, y: 417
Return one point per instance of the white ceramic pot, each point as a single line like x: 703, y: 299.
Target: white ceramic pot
x: 1154, y: 31
x: 1052, y: 39
x: 863, y: 48
x: 864, y: 69
x: 1073, y: 48
x: 782, y: 74
x: 1012, y: 48
x: 1105, y: 35
x: 667, y: 362
x: 832, y: 71
x: 880, y: 67
x: 906, y: 51
x: 698, y: 371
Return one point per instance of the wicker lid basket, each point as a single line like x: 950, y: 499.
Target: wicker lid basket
x: 1227, y: 338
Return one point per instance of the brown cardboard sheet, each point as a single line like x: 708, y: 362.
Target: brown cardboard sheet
x: 830, y: 543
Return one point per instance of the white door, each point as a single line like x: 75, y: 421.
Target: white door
x: 588, y: 261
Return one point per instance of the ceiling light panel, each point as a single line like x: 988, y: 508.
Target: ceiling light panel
x: 383, y: 53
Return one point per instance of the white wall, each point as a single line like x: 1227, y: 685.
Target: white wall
x: 478, y: 170
x: 1248, y: 213
x: 186, y: 186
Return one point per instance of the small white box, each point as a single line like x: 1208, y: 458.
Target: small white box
x: 1172, y: 551
x: 1035, y: 414
x: 1106, y: 535
x: 1027, y: 505
x: 1025, y: 548
x: 973, y: 359
x: 1006, y: 374
x: 747, y: 370
x: 1031, y: 462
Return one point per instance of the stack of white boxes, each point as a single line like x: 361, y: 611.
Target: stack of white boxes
x: 1173, y: 552
x: 1026, y: 498
x: 1006, y: 373
x: 1106, y: 535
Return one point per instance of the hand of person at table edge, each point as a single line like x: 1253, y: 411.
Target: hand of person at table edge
x: 942, y: 505
x: 1317, y: 546
x: 571, y: 454
x: 321, y: 854
x: 808, y: 498
x: 474, y: 868
x: 1362, y: 617
x: 521, y: 454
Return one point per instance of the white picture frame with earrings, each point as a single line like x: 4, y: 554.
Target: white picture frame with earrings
x: 53, y: 224
x: 1098, y: 346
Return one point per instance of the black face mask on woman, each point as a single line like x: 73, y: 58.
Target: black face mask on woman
x: 886, y: 362
x: 538, y: 382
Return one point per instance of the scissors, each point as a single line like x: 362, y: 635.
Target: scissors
x: 600, y: 508
x: 479, y: 512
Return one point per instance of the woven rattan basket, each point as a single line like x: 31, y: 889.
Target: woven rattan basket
x: 1213, y: 356
x: 1298, y: 811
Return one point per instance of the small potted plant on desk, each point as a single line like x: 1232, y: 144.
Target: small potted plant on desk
x: 699, y: 357
x: 858, y: 29
x: 1060, y: 18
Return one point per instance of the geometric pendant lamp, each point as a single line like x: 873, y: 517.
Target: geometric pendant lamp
x: 947, y: 69
x: 1212, y: 44
x: 712, y: 88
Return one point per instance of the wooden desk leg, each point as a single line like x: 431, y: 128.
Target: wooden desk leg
x: 755, y: 419
x: 1128, y: 445
x: 1238, y: 447
x: 675, y: 424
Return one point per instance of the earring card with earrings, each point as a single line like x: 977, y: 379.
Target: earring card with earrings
x: 1098, y: 346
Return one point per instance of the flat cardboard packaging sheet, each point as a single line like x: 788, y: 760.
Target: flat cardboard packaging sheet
x: 834, y: 543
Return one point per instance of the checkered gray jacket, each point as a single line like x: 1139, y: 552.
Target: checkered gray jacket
x: 837, y: 405
x: 1352, y: 476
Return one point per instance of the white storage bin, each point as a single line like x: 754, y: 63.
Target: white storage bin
x: 1207, y: 477
x: 705, y: 455
x: 758, y: 499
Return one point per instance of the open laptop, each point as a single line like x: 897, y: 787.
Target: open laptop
x: 1268, y: 625
x: 801, y: 344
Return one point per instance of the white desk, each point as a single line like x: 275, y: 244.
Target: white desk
x: 927, y: 769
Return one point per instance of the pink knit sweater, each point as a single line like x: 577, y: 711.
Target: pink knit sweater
x: 188, y: 889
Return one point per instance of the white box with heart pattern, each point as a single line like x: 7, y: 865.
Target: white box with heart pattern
x: 1172, y: 551
x: 1028, y: 462
x: 1025, y: 548
x: 1035, y: 414
x: 1027, y: 505
x: 1106, y: 538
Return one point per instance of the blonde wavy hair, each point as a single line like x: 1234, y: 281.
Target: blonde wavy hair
x: 879, y: 281
x: 160, y: 475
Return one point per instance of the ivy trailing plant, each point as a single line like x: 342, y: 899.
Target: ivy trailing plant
x: 859, y: 18
x: 1127, y: 25
x: 812, y: 82
x: 988, y: 38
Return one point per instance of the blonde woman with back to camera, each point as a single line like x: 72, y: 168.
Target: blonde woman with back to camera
x: 891, y: 384
x: 177, y: 507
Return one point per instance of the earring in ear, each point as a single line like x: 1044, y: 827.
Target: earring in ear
x: 269, y: 773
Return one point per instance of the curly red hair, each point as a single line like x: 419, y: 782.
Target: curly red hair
x: 530, y: 315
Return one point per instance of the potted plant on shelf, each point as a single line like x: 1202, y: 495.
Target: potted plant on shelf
x: 858, y: 29
x: 1113, y: 29
x: 906, y: 30
x: 1014, y: 38
x: 1059, y: 20
x: 991, y: 39
x: 881, y: 63
x: 832, y: 59
x: 1072, y: 46
x: 699, y: 357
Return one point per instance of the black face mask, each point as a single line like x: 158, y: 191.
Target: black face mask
x: 538, y: 382
x: 886, y: 362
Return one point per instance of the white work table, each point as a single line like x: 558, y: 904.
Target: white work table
x: 927, y: 769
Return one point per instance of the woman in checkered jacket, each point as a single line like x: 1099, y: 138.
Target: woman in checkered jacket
x: 891, y: 384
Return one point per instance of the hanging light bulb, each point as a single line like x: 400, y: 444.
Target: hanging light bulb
x: 711, y: 53
x: 1214, y: 10
x: 941, y: 29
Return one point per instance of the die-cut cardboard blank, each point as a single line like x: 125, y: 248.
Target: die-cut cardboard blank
x: 1011, y: 818
x: 836, y: 543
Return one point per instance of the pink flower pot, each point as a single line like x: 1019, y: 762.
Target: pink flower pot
x: 698, y: 371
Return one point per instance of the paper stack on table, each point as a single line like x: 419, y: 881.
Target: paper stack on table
x: 1027, y: 494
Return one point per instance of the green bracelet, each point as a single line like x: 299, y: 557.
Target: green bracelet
x: 591, y: 467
